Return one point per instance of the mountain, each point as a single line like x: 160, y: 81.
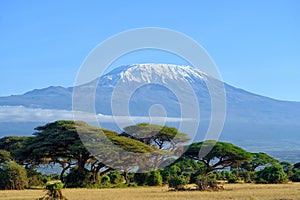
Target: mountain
x: 255, y: 122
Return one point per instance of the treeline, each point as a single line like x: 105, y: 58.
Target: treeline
x: 92, y: 164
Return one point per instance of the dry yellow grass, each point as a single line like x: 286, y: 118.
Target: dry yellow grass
x: 232, y: 191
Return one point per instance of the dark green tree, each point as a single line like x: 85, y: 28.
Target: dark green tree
x: 297, y: 165
x: 56, y: 142
x: 258, y: 160
x: 13, y: 144
x: 13, y: 176
x: 287, y: 168
x: 221, y: 155
x: 154, y: 178
x: 162, y: 137
x: 4, y: 156
x: 296, y: 176
x: 59, y: 142
x: 271, y: 174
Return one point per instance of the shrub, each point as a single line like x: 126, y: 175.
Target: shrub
x: 132, y: 185
x: 78, y: 178
x: 207, y: 181
x: 54, y: 192
x: 271, y: 174
x: 116, y: 177
x: 105, y: 181
x: 13, y: 176
x: 178, y: 182
x: 296, y: 176
x: 140, y: 178
x: 154, y: 179
x: 35, y: 178
x: 232, y: 179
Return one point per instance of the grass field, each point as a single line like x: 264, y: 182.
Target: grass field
x: 232, y: 191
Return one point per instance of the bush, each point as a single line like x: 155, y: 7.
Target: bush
x: 132, y: 185
x: 13, y: 177
x: 105, y: 181
x: 296, y: 176
x: 115, y: 177
x: 207, y: 181
x: 271, y: 174
x: 232, y: 179
x: 54, y: 192
x: 178, y: 182
x: 35, y: 178
x: 154, y: 179
x: 140, y: 178
x: 78, y: 178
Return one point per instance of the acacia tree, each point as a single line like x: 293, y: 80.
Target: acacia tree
x: 220, y: 156
x: 59, y: 142
x: 118, y: 151
x: 162, y: 137
x: 13, y: 144
x: 56, y: 142
x: 258, y: 160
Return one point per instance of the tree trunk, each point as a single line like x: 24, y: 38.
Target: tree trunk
x: 125, y: 174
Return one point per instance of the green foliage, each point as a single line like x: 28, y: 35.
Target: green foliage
x: 177, y: 181
x: 54, y: 192
x: 105, y: 181
x: 132, y: 185
x: 220, y: 155
x: 297, y: 165
x: 226, y: 175
x: 4, y: 156
x: 232, y: 179
x: 13, y: 144
x: 59, y: 142
x: 207, y: 181
x: 13, y: 176
x: 152, y: 134
x: 154, y: 178
x: 258, y: 160
x: 77, y: 178
x: 287, y: 168
x: 271, y: 174
x: 115, y: 177
x: 140, y: 178
x: 34, y: 178
x: 296, y: 176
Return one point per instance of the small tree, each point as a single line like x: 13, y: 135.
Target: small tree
x: 296, y: 176
x: 13, y: 176
x: 105, y: 181
x: 54, y: 192
x: 178, y: 182
x: 115, y: 177
x: 77, y: 178
x: 154, y: 179
x: 271, y: 174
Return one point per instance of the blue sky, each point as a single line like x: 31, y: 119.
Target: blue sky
x: 255, y: 44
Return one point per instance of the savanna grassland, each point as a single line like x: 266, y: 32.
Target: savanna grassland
x: 232, y: 191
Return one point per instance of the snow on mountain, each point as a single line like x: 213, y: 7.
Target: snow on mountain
x: 250, y: 119
x: 148, y: 73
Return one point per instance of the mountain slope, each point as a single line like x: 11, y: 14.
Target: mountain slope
x: 251, y: 119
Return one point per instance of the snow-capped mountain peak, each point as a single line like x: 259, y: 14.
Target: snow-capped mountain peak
x: 148, y: 73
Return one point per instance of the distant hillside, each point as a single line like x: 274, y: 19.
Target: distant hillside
x: 252, y: 120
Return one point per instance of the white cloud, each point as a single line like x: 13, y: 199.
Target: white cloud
x: 24, y: 114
